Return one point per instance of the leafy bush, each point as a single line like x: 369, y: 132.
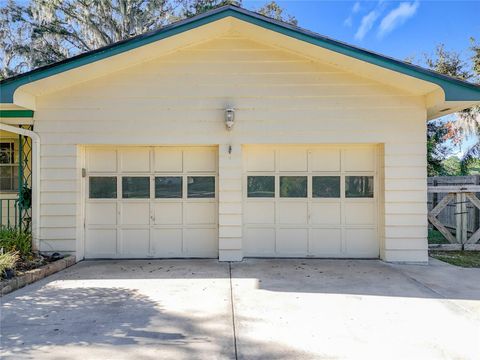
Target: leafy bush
x: 13, y: 240
x: 8, y: 261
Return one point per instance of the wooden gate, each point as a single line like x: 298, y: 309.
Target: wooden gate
x: 461, y: 196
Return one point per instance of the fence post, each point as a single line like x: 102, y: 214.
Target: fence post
x: 458, y: 217
x: 434, y: 195
x: 464, y: 219
x: 461, y: 218
x: 476, y: 221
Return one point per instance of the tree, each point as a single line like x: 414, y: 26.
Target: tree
x: 450, y: 63
x: 451, y: 167
x: 437, y: 150
x: 194, y: 7
x: 274, y: 11
x: 470, y: 159
x: 47, y: 31
x: 467, y: 122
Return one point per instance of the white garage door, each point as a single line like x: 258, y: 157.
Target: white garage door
x: 317, y: 201
x: 151, y: 202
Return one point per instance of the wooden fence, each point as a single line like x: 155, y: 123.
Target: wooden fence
x: 448, y: 215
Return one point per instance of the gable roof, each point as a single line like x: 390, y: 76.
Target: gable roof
x: 455, y: 90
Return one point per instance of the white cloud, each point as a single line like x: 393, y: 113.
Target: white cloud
x: 397, y: 17
x: 367, y: 23
x: 348, y: 21
x: 356, y: 7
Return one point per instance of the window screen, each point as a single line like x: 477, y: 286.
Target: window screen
x: 135, y: 187
x: 102, y: 187
x: 201, y: 186
x: 326, y: 186
x: 168, y: 187
x: 293, y: 186
x: 359, y: 186
x: 261, y: 186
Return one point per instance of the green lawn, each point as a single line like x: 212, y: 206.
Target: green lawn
x: 436, y: 237
x: 468, y: 259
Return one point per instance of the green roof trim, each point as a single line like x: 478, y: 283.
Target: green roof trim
x: 16, y: 113
x: 455, y: 90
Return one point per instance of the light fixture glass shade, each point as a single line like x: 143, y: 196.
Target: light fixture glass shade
x: 229, y: 118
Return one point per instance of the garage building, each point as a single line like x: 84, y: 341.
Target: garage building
x: 231, y: 135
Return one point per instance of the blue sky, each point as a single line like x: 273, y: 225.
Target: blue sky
x: 396, y: 28
x: 399, y: 29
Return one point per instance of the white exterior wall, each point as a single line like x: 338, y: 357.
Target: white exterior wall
x: 279, y: 97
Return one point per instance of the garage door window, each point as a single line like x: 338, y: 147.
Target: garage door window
x: 326, y: 186
x: 103, y: 187
x: 201, y: 186
x: 168, y: 187
x: 359, y: 186
x: 261, y: 186
x: 135, y: 187
x: 293, y: 186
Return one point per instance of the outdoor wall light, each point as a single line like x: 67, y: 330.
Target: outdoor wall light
x: 229, y: 118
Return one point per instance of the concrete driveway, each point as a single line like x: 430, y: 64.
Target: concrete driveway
x: 257, y: 309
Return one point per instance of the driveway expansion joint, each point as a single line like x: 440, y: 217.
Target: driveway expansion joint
x: 233, y: 310
x: 439, y: 294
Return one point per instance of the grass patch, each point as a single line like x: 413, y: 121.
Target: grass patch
x: 13, y: 240
x: 468, y: 259
x: 16, y: 251
x: 436, y: 237
x: 8, y: 261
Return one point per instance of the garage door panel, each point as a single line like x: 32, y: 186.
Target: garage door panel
x: 200, y: 213
x: 199, y: 160
x: 360, y: 213
x: 168, y: 213
x: 135, y: 242
x: 361, y: 242
x: 292, y: 242
x: 291, y: 212
x: 166, y: 242
x: 325, y: 242
x: 101, y: 160
x: 168, y: 159
x: 151, y: 213
x: 135, y: 160
x: 259, y: 242
x: 359, y: 159
x: 260, y: 212
x: 316, y: 218
x: 101, y: 213
x: 100, y: 243
x: 135, y: 213
x: 292, y: 160
x: 260, y: 160
x: 325, y: 160
x: 323, y: 213
x: 200, y: 242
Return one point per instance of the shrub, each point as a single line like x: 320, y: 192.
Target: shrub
x: 13, y: 240
x: 7, y: 261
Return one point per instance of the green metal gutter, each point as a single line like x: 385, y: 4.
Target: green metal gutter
x: 455, y: 90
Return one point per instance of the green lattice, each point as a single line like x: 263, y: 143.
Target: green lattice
x: 25, y: 180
